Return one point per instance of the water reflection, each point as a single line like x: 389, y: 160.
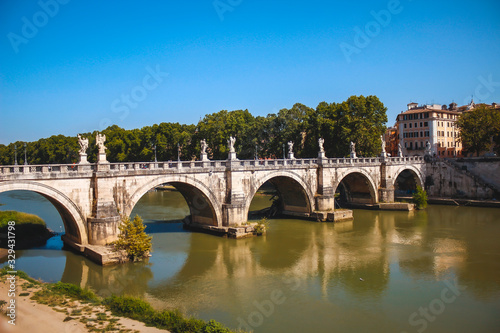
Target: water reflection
x: 380, y: 267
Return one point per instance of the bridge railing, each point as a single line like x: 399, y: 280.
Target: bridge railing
x: 176, y: 165
x: 45, y: 168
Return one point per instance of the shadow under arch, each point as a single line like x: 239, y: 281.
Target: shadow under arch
x: 202, y: 203
x: 297, y: 199
x: 72, y: 217
x: 406, y: 180
x: 357, y: 187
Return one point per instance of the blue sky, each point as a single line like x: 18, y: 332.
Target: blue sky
x: 72, y: 66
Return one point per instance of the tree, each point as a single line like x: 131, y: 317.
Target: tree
x: 477, y: 128
x: 420, y: 198
x: 133, y: 239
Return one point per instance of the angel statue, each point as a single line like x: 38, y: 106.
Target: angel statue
x: 100, y: 139
x: 231, y: 141
x: 321, y: 141
x: 84, y: 144
x: 203, y: 146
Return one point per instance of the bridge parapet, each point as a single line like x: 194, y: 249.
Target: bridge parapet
x: 185, y: 166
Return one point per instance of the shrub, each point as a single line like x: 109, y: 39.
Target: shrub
x: 261, y: 226
x: 74, y: 291
x: 133, y: 239
x: 420, y: 198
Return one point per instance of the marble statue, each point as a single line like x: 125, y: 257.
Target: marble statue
x: 100, y: 139
x: 321, y: 141
x: 231, y: 141
x: 203, y: 146
x: 84, y: 144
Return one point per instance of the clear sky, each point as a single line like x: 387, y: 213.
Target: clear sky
x: 72, y: 66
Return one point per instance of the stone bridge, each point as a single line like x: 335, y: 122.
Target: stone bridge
x: 91, y: 198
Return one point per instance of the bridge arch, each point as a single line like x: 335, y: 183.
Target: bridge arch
x: 359, y: 184
x: 407, y: 177
x: 296, y: 194
x: 71, y: 215
x: 202, y: 202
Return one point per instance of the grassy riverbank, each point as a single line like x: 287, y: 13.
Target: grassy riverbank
x: 102, y: 314
x: 29, y: 230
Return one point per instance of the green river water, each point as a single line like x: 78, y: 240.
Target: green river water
x: 436, y: 270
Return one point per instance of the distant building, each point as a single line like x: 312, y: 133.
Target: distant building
x: 391, y: 141
x: 431, y: 123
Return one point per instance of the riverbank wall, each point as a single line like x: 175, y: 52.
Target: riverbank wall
x: 467, y: 178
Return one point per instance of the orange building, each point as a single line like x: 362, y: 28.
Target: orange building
x: 429, y: 123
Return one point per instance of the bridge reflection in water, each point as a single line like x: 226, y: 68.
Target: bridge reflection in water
x: 380, y: 268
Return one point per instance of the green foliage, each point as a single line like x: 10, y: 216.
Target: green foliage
x: 20, y: 218
x: 214, y: 327
x: 172, y: 320
x: 478, y: 128
x: 74, y: 292
x: 133, y: 239
x: 19, y: 274
x: 420, y: 198
x: 261, y: 226
x: 359, y: 119
x: 30, y: 229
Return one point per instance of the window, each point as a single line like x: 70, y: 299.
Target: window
x: 405, y: 125
x: 421, y: 124
x: 410, y: 125
x: 426, y: 124
x: 421, y: 134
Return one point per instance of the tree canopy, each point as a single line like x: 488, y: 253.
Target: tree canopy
x: 358, y: 119
x: 479, y: 128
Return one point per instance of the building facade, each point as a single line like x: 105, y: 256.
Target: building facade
x: 434, y: 124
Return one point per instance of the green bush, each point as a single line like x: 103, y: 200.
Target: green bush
x: 420, y: 198
x: 133, y: 239
x: 173, y: 320
x: 24, y: 221
x: 214, y: 327
x: 74, y: 291
x: 261, y: 226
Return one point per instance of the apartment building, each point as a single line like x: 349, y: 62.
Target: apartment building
x: 429, y: 123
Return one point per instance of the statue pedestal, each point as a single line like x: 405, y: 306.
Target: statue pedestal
x: 321, y: 155
x: 204, y: 157
x: 232, y: 156
x: 353, y: 155
x: 83, y: 159
x: 101, y: 158
x: 290, y: 156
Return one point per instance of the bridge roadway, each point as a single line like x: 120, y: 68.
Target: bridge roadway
x: 92, y: 197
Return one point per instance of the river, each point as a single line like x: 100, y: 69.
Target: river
x: 436, y: 270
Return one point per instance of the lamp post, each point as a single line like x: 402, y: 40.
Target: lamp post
x: 25, y: 159
x: 15, y: 154
x: 255, y: 152
x: 178, y: 152
x: 154, y: 147
x: 284, y: 156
